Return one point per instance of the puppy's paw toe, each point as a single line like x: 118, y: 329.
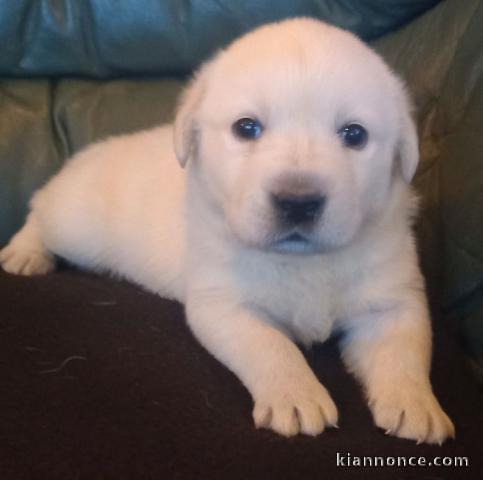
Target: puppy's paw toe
x: 414, y: 414
x: 296, y: 411
x: 25, y: 261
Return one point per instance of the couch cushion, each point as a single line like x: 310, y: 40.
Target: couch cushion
x: 112, y: 38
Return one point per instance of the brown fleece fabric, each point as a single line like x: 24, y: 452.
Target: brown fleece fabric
x: 101, y: 380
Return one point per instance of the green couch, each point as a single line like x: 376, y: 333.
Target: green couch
x: 102, y: 380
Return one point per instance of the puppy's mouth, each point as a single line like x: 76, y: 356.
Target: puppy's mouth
x: 295, y: 243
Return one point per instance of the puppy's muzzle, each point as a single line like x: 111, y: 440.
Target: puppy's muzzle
x: 296, y: 210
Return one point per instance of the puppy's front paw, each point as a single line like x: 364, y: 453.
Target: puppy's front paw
x: 290, y: 408
x: 19, y: 259
x: 412, y: 412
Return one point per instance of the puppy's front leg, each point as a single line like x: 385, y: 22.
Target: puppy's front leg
x: 389, y: 351
x: 287, y: 396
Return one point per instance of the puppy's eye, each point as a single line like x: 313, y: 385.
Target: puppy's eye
x: 247, y: 128
x: 353, y: 135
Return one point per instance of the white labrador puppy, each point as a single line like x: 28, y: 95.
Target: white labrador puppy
x: 291, y: 219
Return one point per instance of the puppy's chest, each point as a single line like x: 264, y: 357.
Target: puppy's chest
x: 294, y: 298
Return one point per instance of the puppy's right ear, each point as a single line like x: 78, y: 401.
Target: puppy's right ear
x: 185, y: 124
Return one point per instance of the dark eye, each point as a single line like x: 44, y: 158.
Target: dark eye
x: 247, y: 128
x: 353, y: 135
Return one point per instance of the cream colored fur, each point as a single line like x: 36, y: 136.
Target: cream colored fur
x: 203, y: 235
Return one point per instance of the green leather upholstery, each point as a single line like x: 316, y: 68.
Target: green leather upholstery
x: 106, y: 38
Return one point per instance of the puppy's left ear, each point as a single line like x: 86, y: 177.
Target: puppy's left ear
x: 185, y: 124
x: 407, y: 149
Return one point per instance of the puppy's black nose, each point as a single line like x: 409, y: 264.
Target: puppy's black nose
x: 297, y: 209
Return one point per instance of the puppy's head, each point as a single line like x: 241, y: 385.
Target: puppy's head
x: 296, y: 133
